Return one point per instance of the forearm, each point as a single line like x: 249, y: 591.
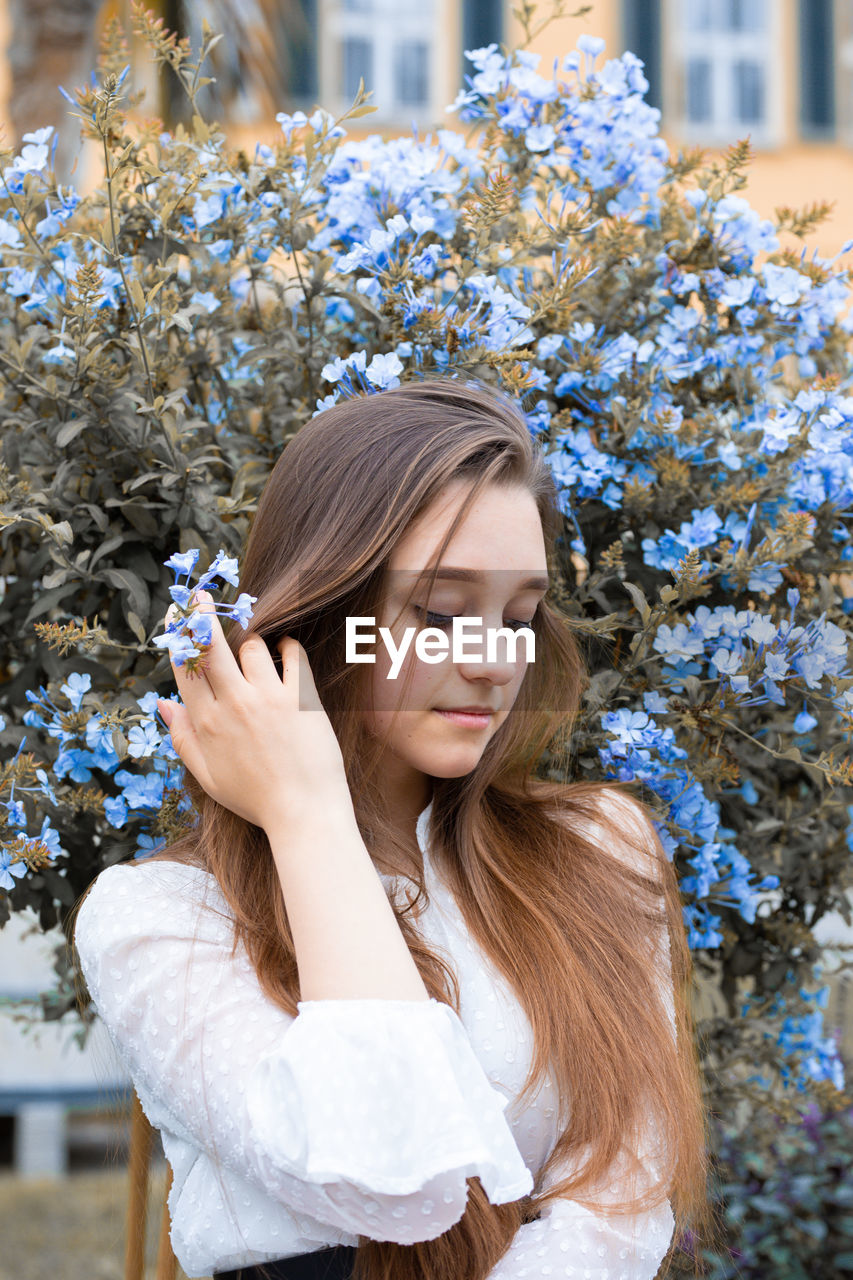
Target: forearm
x: 346, y: 937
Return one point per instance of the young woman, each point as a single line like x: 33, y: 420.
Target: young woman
x: 400, y: 1009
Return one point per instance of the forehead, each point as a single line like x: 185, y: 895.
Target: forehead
x: 502, y: 529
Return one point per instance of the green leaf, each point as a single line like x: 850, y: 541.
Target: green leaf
x: 70, y: 431
x: 131, y: 583
x: 45, y: 601
x: 640, y: 602
x: 136, y: 626
x: 61, y: 532
x: 141, y: 518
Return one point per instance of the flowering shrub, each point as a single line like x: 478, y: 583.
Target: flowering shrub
x: 784, y: 1193
x: 687, y: 377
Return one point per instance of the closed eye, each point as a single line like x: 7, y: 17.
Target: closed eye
x: 444, y: 620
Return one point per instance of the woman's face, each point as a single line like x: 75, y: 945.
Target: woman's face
x: 500, y: 543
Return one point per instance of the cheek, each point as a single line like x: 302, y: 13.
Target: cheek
x: 411, y: 685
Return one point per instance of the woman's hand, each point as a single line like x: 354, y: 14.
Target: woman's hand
x: 247, y: 736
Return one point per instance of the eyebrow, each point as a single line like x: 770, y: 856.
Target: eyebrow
x: 478, y: 575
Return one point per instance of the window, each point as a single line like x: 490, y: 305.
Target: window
x: 641, y: 33
x: 845, y: 69
x: 393, y: 46
x: 817, y: 67
x: 411, y: 73
x: 357, y: 60
x: 726, y: 52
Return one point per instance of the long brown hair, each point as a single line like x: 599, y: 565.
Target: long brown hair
x: 571, y: 921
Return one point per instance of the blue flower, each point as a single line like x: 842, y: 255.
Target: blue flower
x: 75, y: 687
x: 179, y: 645
x: 50, y: 838
x: 141, y: 791
x: 749, y: 793
x: 200, y: 627
x: 727, y: 662
x: 115, y: 810
x: 148, y: 703
x: 765, y: 577
x: 220, y: 250
x: 591, y: 45
x: 73, y: 763
x: 290, y: 122
x: 540, y: 137
x: 383, y: 370
x: 46, y: 789
x: 208, y: 209
x: 147, y: 846
x: 56, y: 355
x: 804, y: 721
x: 222, y: 566
x: 16, y: 815
x: 241, y: 609
x: 776, y: 666
x: 182, y: 562
x: 142, y: 740
x: 8, y: 869
x: 207, y: 301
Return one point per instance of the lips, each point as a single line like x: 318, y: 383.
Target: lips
x: 478, y: 720
x: 471, y: 711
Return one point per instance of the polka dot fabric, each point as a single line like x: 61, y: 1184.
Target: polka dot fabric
x: 287, y: 1135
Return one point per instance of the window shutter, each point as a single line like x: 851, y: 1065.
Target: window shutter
x: 304, y: 81
x: 641, y: 34
x: 482, y: 24
x: 817, y: 68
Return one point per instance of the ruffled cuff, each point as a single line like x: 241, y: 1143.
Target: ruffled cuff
x: 384, y: 1094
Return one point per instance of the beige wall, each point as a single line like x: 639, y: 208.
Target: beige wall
x: 797, y: 173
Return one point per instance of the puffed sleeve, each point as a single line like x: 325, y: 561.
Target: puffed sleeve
x: 368, y: 1115
x: 569, y: 1242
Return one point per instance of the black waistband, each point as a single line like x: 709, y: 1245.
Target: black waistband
x: 334, y: 1263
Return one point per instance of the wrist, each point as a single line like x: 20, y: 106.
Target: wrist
x: 331, y: 807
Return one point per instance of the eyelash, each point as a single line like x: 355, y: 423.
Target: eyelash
x: 445, y: 619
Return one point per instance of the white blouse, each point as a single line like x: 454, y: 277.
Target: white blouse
x: 358, y: 1116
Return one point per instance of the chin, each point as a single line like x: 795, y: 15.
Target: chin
x: 455, y: 765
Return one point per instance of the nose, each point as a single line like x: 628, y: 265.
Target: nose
x: 499, y: 668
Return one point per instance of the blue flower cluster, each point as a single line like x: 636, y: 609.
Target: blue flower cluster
x: 189, y: 632
x: 639, y: 750
x: 87, y: 748
x: 15, y: 850
x: 87, y: 741
x: 605, y: 142
x: 814, y: 1055
x: 541, y: 249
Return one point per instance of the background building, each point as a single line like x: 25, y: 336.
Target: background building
x: 779, y: 71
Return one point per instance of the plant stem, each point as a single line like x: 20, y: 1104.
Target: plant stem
x: 143, y: 350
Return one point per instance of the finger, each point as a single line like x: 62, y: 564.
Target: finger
x: 184, y: 740
x: 220, y: 666
x: 257, y: 663
x: 193, y: 686
x: 297, y: 677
